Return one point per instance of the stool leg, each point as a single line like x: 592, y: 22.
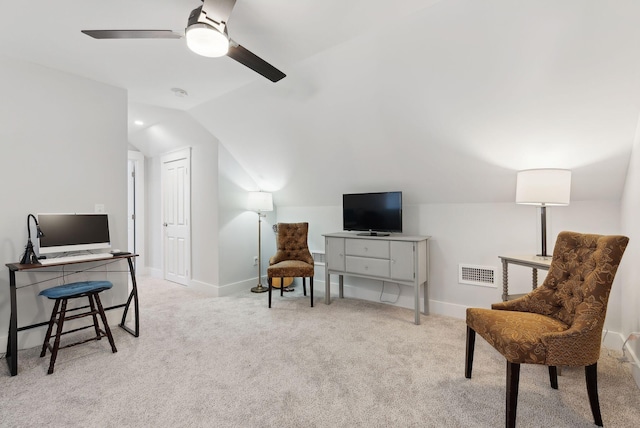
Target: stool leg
x: 96, y: 326
x: 51, y: 322
x: 304, y: 285
x: 56, y: 342
x: 107, y: 330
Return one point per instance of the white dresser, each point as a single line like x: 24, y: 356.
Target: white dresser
x: 401, y: 259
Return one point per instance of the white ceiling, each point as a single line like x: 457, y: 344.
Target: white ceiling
x: 443, y: 100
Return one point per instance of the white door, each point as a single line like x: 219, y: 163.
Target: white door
x: 176, y: 197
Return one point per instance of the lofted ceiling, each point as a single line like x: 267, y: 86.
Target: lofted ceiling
x: 444, y: 100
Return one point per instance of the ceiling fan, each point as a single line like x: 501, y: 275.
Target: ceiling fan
x: 206, y: 35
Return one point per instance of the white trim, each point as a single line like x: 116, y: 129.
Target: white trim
x: 138, y: 157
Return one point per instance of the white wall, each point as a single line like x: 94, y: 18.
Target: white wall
x: 239, y: 228
x: 63, y: 149
x: 630, y: 269
x: 224, y: 234
x: 204, y: 214
x: 469, y: 233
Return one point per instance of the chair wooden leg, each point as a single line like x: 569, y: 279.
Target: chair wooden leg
x: 96, y: 326
x: 553, y: 376
x: 269, y: 281
x: 513, y: 379
x: 591, y: 376
x: 311, y: 289
x: 281, y: 286
x: 52, y: 321
x: 107, y: 330
x: 471, y: 341
x: 304, y: 285
x: 56, y: 343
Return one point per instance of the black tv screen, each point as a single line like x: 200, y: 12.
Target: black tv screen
x: 372, y: 212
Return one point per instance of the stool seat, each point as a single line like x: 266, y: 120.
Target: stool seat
x: 75, y: 288
x: 62, y: 294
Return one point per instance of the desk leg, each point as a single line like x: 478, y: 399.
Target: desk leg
x: 133, y: 295
x: 12, y: 342
x: 505, y: 280
x: 417, y: 302
x: 426, y: 299
x: 327, y: 288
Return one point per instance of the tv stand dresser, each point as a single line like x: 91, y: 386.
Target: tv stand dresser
x: 401, y: 259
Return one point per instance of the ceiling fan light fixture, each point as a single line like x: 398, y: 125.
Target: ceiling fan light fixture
x: 205, y: 40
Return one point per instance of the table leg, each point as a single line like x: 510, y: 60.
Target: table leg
x: 341, y: 286
x: 534, y: 276
x: 417, y: 302
x: 327, y: 288
x: 132, y: 296
x: 12, y: 342
x: 505, y: 280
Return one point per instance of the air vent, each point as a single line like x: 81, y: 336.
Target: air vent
x: 318, y: 257
x: 476, y: 275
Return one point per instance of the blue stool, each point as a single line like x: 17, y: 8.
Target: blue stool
x: 61, y: 294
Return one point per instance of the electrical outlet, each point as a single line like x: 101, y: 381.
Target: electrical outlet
x: 255, y: 260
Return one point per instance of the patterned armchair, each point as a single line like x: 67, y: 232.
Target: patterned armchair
x: 557, y: 324
x: 293, y: 258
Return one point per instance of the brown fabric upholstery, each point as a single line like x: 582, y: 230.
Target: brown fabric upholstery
x: 292, y: 244
x: 292, y: 258
x: 559, y: 323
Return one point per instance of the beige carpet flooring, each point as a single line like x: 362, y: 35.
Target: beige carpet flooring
x: 231, y: 362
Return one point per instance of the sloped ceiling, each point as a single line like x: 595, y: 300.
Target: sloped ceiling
x: 444, y: 100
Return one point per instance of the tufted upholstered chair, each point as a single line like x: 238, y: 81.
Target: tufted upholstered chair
x: 557, y: 324
x: 293, y: 258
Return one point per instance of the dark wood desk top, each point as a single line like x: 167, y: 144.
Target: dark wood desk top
x: 18, y: 267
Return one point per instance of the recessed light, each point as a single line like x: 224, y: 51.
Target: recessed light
x: 138, y: 122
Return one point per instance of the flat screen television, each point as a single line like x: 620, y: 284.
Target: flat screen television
x: 73, y: 232
x: 372, y: 213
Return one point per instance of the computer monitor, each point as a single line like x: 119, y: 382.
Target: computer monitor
x: 73, y: 232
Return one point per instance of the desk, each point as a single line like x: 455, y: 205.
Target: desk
x: 12, y: 343
x: 533, y: 262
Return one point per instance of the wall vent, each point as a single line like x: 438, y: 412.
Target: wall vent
x: 318, y: 257
x: 477, y: 275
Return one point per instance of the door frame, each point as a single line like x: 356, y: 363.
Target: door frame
x: 139, y: 205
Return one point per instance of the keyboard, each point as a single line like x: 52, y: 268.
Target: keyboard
x: 75, y: 258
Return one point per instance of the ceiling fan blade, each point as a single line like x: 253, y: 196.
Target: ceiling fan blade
x: 218, y: 10
x: 132, y: 34
x: 254, y: 62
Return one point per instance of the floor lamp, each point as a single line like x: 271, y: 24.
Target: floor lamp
x: 260, y: 202
x: 543, y: 188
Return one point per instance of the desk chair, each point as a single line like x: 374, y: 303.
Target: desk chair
x: 61, y: 294
x: 293, y: 258
x: 557, y: 324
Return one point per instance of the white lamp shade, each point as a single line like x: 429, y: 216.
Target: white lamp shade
x: 206, y: 40
x: 260, y: 201
x: 543, y: 187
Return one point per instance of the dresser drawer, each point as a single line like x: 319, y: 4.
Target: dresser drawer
x: 368, y: 266
x: 367, y: 248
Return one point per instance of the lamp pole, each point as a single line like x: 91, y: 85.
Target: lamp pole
x: 259, y: 288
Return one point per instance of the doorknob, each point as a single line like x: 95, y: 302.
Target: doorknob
x: 165, y: 224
